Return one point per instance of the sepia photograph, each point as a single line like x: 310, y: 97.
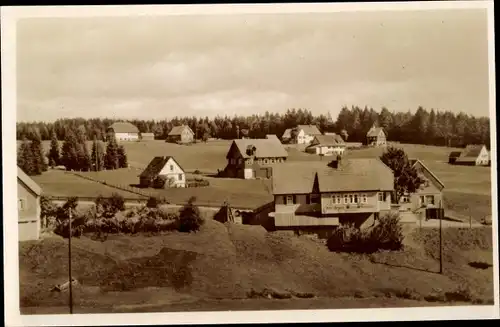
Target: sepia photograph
x: 262, y: 162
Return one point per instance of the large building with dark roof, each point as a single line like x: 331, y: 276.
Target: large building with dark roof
x: 472, y: 155
x: 123, y: 131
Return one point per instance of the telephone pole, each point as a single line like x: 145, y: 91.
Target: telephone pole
x: 69, y: 267
x: 440, y: 239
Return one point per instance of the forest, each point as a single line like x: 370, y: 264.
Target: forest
x: 423, y: 126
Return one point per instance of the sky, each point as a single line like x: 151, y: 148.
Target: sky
x: 158, y: 67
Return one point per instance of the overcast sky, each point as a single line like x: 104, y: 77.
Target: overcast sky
x: 159, y: 67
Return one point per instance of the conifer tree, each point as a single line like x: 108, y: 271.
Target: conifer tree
x: 25, y: 159
x: 122, y: 157
x: 54, y: 154
x: 39, y: 164
x: 111, y: 160
x: 98, y: 155
x: 69, y: 155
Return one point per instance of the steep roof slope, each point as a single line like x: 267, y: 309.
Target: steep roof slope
x: 123, y: 127
x: 264, y: 148
x: 28, y: 181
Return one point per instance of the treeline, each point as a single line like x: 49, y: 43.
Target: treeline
x: 73, y: 155
x: 423, y: 126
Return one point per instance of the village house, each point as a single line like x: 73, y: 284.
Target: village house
x: 302, y: 134
x: 453, y: 156
x: 253, y: 158
x: 163, y: 166
x: 316, y: 196
x: 123, y: 131
x: 376, y: 137
x: 327, y: 145
x: 181, y: 134
x: 473, y: 155
x: 428, y: 198
x: 147, y: 136
x: 28, y: 207
x: 272, y: 136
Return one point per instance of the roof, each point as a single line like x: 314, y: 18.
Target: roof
x: 353, y: 175
x: 147, y: 133
x: 287, y: 134
x: 413, y: 162
x: 471, y: 152
x: 309, y: 129
x: 455, y: 154
x: 264, y: 148
x: 328, y: 140
x: 177, y: 130
x: 271, y: 136
x: 124, y: 127
x: 28, y: 181
x: 375, y: 131
x: 156, y: 165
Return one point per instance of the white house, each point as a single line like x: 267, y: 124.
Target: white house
x: 474, y: 155
x: 28, y: 207
x: 327, y: 145
x: 302, y: 134
x: 164, y: 166
x: 123, y: 131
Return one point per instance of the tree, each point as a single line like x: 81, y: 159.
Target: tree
x: 122, y: 157
x: 406, y: 178
x: 54, y: 154
x: 97, y: 155
x: 39, y: 163
x: 69, y: 151
x: 25, y: 158
x: 190, y: 219
x: 112, y: 159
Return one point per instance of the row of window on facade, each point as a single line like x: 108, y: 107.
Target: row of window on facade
x: 423, y: 199
x: 239, y: 161
x: 349, y: 198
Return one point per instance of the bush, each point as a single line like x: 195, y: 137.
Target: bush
x: 160, y: 182
x: 190, y: 219
x: 152, y: 202
x: 109, y: 207
x: 387, y: 234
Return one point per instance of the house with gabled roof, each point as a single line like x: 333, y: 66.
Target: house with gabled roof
x: 28, y: 207
x: 253, y: 158
x: 302, y: 134
x: 167, y: 167
x: 429, y: 196
x: 376, y: 137
x: 327, y: 145
x: 452, y: 158
x: 123, y: 131
x: 317, y: 196
x: 474, y: 155
x: 181, y: 134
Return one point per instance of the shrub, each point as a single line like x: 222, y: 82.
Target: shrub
x: 190, y: 219
x: 109, y: 207
x: 152, y: 202
x: 387, y: 234
x: 160, y: 182
x: 461, y: 294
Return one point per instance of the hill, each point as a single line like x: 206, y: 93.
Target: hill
x: 236, y: 261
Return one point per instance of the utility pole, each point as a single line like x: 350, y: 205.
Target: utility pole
x: 440, y: 239
x: 69, y: 267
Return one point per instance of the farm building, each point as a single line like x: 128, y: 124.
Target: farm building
x: 28, y: 207
x: 181, y: 134
x: 327, y: 145
x: 253, y: 158
x: 167, y: 167
x: 316, y: 197
x: 428, y: 197
x: 123, y: 131
x: 302, y: 134
x: 147, y: 136
x: 453, y: 156
x: 473, y: 155
x: 376, y: 137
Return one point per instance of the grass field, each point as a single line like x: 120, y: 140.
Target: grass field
x: 467, y: 189
x: 217, y: 267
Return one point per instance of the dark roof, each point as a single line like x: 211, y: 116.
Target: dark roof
x: 352, y: 175
x: 375, y: 131
x: 414, y: 162
x: 309, y: 129
x: 470, y: 153
x: 328, y: 140
x: 264, y: 148
x: 287, y: 134
x: 123, y: 127
x: 156, y: 165
x: 28, y: 181
x: 455, y: 154
x: 177, y: 130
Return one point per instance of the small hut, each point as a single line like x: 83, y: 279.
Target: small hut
x: 226, y: 215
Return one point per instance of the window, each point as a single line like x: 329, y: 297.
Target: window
x: 272, y: 160
x: 21, y: 204
x: 338, y: 199
x: 381, y: 196
x: 289, y: 199
x: 422, y: 200
x: 364, y: 198
x: 346, y: 198
x: 308, y: 199
x: 171, y: 167
x: 265, y: 161
x: 351, y: 198
x: 356, y: 200
x: 240, y: 161
x: 429, y: 199
x: 180, y: 177
x: 315, y: 198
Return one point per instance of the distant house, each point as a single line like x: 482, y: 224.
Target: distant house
x: 271, y: 136
x: 147, y: 136
x: 428, y: 197
x: 327, y: 145
x: 316, y: 196
x: 28, y: 207
x: 302, y: 134
x: 253, y: 158
x: 123, y: 131
x: 163, y: 166
x: 453, y: 156
x: 376, y: 137
x: 474, y: 155
x: 181, y: 134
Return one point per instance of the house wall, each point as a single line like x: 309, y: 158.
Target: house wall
x: 330, y: 150
x: 127, y: 136
x: 147, y: 137
x: 174, y: 171
x: 28, y: 213
x: 329, y: 204
x: 303, y: 138
x: 483, y: 157
x: 300, y: 205
x: 186, y: 136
